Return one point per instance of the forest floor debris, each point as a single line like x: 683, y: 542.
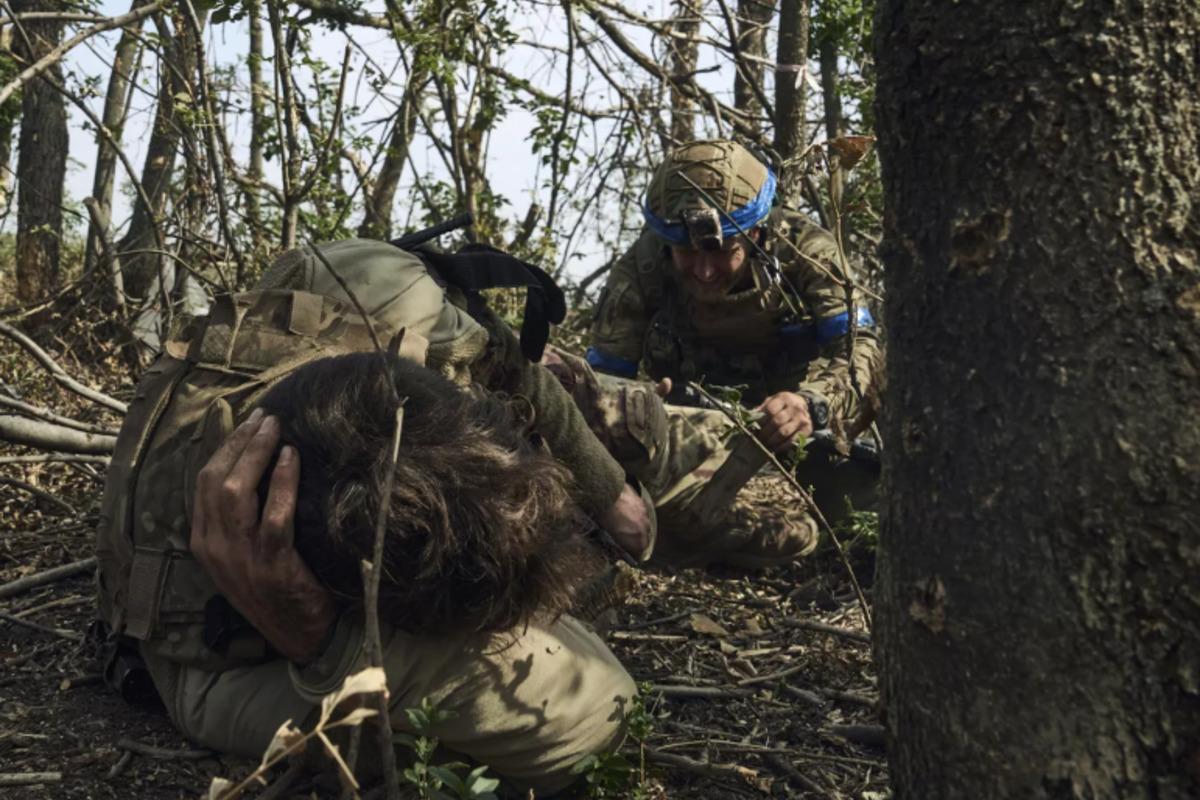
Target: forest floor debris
x: 766, y: 687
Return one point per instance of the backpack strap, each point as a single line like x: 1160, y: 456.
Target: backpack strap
x: 477, y: 267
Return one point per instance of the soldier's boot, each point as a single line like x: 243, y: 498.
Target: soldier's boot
x: 768, y: 526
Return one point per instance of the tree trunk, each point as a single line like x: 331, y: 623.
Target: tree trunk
x: 754, y: 17
x: 790, y: 92
x: 41, y: 163
x: 831, y: 100
x: 377, y: 219
x: 10, y: 112
x: 116, y: 103
x: 682, y: 64
x: 138, y: 266
x: 259, y: 127
x: 1038, y: 610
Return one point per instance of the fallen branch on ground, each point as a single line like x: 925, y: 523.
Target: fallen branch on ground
x: 163, y: 753
x: 22, y: 585
x: 821, y: 627
x: 48, y: 436
x: 58, y: 373
x: 40, y: 493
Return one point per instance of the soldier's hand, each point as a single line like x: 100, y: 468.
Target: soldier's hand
x: 629, y: 523
x: 251, y: 557
x: 785, y: 416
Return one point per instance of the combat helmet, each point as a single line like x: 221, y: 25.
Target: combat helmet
x: 741, y: 186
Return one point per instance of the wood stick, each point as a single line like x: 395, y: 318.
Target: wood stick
x: 774, y: 676
x: 870, y: 735
x: 28, y: 778
x: 39, y: 493
x: 703, y: 768
x: 163, y: 753
x: 821, y: 627
x: 57, y: 372
x: 21, y: 585
x: 784, y: 766
x: 708, y: 692
x: 34, y: 626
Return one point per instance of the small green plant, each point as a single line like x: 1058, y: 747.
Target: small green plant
x: 613, y: 775
x: 440, y: 781
x: 859, y: 530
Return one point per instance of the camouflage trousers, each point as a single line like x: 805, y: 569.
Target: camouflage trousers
x: 714, y: 496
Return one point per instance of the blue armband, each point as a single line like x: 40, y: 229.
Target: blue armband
x: 611, y: 364
x: 831, y: 328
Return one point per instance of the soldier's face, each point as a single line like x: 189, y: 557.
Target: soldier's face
x: 710, y: 273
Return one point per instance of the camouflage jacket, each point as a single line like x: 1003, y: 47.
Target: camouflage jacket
x: 749, y: 337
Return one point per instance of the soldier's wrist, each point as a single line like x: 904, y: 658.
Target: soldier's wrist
x: 818, y: 407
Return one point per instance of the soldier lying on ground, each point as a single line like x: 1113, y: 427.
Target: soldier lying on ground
x: 484, y: 551
x: 226, y: 681
x: 698, y: 297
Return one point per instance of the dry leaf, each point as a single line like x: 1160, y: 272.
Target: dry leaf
x: 218, y: 788
x: 371, y: 679
x: 705, y: 625
x: 285, y: 738
x: 754, y: 627
x: 850, y: 149
x: 355, y: 717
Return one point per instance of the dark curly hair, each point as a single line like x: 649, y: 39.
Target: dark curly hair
x: 481, y: 534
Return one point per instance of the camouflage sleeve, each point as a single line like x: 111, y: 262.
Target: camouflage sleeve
x: 621, y: 320
x: 599, y: 479
x: 846, y: 373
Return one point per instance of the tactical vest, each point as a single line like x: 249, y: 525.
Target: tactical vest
x: 150, y: 588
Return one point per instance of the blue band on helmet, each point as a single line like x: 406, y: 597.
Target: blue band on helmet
x: 612, y: 364
x: 831, y: 328
x: 743, y: 218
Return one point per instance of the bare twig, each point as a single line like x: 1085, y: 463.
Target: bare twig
x: 45, y: 62
x: 869, y: 735
x: 58, y: 373
x: 781, y: 764
x: 699, y: 692
x: 821, y: 627
x: 47, y: 415
x: 38, y: 492
x: 24, y: 584
x: 804, y: 495
x: 33, y: 626
x: 702, y: 768
x: 162, y: 753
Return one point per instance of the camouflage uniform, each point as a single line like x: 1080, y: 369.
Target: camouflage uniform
x: 749, y: 337
x: 529, y: 704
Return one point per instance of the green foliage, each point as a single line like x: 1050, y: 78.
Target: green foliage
x: 613, y: 775
x: 859, y: 530
x: 451, y: 781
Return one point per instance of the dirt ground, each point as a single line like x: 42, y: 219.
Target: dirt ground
x: 761, y: 684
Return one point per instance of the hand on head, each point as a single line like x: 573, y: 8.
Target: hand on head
x: 250, y: 556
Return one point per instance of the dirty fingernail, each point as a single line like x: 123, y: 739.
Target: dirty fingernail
x: 255, y: 416
x: 269, y: 425
x: 287, y: 455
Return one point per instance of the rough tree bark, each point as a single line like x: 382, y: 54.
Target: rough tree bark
x: 116, y: 103
x: 683, y: 50
x: 1038, y: 611
x: 10, y: 112
x: 790, y: 89
x: 377, y: 211
x: 259, y: 127
x: 139, y: 268
x: 41, y: 163
x: 754, y: 17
